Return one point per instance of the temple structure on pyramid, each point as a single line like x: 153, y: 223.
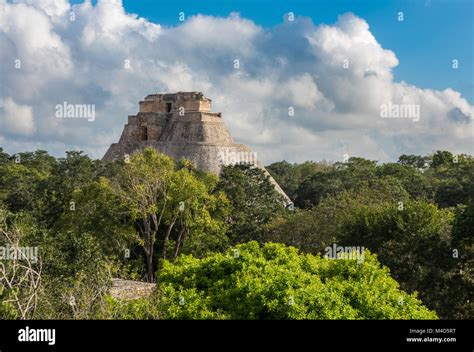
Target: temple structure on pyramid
x: 182, y: 125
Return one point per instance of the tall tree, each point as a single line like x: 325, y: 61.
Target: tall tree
x: 165, y: 203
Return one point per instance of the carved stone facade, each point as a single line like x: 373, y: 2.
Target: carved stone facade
x: 183, y: 125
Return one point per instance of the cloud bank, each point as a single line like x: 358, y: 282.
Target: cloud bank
x: 299, y: 91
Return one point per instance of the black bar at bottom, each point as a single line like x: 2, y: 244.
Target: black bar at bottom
x: 443, y: 335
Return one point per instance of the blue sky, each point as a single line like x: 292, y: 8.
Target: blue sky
x: 433, y: 33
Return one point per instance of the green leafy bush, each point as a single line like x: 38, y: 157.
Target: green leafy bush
x: 277, y: 282
x: 143, y: 308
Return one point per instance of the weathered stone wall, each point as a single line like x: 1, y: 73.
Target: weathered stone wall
x: 204, y: 156
x: 165, y: 103
x: 128, y: 289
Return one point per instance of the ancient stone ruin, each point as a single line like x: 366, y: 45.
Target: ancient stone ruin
x: 182, y: 125
x: 128, y: 289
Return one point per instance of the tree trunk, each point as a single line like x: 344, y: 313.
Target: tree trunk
x: 148, y: 247
x: 149, y: 265
x: 178, y: 244
x: 165, y: 240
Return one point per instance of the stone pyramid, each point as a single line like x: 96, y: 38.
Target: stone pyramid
x: 183, y: 125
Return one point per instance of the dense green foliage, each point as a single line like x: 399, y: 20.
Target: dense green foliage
x: 415, y: 214
x: 417, y: 247
x: 254, y: 201
x: 275, y: 282
x: 442, y: 178
x: 150, y: 216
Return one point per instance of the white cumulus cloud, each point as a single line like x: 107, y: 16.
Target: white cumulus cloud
x: 335, y: 76
x: 16, y: 119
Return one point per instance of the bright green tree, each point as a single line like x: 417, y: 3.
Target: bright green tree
x: 277, y: 282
